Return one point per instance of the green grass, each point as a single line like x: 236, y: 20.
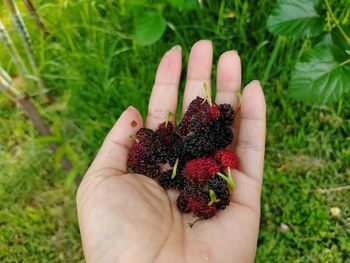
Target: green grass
x: 93, y: 70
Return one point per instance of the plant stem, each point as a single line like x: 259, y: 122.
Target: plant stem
x: 213, y: 198
x: 208, y: 96
x: 170, y: 115
x: 345, y: 62
x: 12, y: 50
x: 10, y: 89
x: 220, y: 18
x: 5, y: 75
x: 33, y: 10
x: 329, y: 9
x: 228, y: 179
x: 22, y: 30
x: 33, y: 114
x: 26, y: 40
x: 175, y: 168
x: 272, y: 58
x: 7, y: 85
x: 7, y: 90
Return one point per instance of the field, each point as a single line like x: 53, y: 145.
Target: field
x: 93, y: 69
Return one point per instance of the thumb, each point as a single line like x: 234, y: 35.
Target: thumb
x: 113, y: 155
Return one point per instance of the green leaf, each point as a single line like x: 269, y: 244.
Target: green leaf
x: 323, y: 39
x: 49, y: 139
x: 320, y: 77
x: 331, y: 38
x: 60, y: 151
x: 295, y: 18
x: 135, y: 6
x: 71, y: 177
x: 338, y: 38
x: 149, y: 27
x: 184, y: 5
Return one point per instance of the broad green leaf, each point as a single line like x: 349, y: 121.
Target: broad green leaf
x: 323, y: 39
x: 149, y: 27
x: 338, y: 38
x: 320, y: 77
x: 331, y: 38
x: 295, y: 18
x: 184, y: 5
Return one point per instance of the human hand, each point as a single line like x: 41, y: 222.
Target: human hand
x: 129, y: 218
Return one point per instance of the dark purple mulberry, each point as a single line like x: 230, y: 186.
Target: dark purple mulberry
x: 203, y: 144
x: 198, y: 205
x: 182, y: 203
x: 227, y: 114
x: 221, y: 136
x: 167, y: 182
x: 191, y: 188
x: 165, y: 141
x: 198, y: 145
x: 219, y: 186
x: 193, y: 108
x: 142, y: 157
x: 145, y: 136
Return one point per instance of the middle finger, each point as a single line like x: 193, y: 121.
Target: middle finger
x: 198, y: 72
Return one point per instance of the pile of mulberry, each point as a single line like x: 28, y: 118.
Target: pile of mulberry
x: 191, y: 158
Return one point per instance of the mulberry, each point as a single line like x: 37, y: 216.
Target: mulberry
x: 219, y: 186
x: 200, y: 169
x: 198, y: 205
x: 226, y: 159
x: 167, y: 182
x: 182, y: 203
x: 227, y: 114
x: 196, y: 152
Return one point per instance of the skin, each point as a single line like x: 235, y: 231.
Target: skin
x: 129, y: 218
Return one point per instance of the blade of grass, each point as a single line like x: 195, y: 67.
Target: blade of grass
x: 220, y: 16
x: 272, y: 59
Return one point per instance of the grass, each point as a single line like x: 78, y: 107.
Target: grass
x: 94, y: 69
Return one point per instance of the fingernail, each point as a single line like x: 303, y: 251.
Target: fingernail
x: 177, y: 48
x: 257, y: 82
x: 234, y: 51
x: 207, y: 40
x: 130, y: 107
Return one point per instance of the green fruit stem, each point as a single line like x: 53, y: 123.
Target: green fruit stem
x: 208, y: 97
x: 175, y: 168
x: 228, y: 179
x: 170, y: 115
x: 213, y: 198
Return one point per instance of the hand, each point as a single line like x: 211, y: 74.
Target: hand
x: 129, y: 218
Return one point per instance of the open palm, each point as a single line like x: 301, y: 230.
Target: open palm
x: 129, y: 218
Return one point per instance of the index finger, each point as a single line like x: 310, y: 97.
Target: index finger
x: 165, y: 90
